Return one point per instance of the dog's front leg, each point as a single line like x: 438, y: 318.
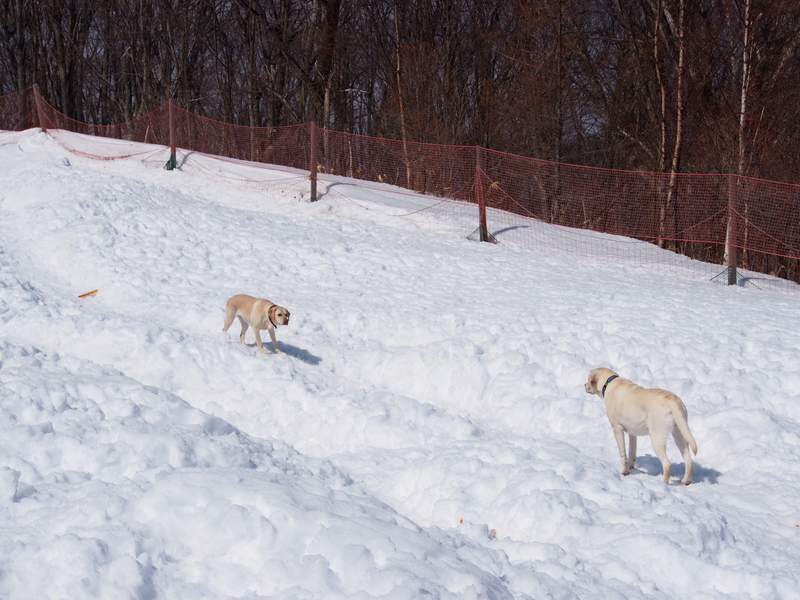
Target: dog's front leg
x: 631, y: 451
x: 244, y: 329
x: 619, y: 435
x: 274, y: 340
x: 258, y: 341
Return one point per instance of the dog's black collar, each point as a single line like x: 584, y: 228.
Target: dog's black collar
x: 609, y: 380
x: 269, y: 316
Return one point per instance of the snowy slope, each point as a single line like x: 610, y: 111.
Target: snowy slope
x: 426, y: 433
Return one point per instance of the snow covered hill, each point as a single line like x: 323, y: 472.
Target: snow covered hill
x: 425, y: 434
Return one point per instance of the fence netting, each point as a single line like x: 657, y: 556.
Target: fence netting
x: 686, y: 222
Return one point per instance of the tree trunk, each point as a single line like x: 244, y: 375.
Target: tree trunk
x: 730, y: 257
x: 676, y: 150
x: 399, y: 76
x: 19, y: 18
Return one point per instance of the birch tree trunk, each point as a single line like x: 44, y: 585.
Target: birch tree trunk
x: 399, y: 76
x: 730, y: 257
x: 662, y: 151
x: 670, y: 209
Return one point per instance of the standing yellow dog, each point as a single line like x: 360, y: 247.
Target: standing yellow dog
x: 257, y: 313
x: 638, y: 411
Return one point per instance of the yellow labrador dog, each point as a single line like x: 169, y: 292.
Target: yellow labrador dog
x: 637, y: 411
x: 258, y: 314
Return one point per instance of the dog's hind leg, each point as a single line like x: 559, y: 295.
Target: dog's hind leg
x: 660, y: 448
x: 683, y: 446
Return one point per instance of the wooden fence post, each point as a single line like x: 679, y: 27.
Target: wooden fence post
x: 39, y: 108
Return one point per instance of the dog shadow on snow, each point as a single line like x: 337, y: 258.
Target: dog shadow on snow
x: 300, y: 354
x: 650, y: 465
x: 293, y: 351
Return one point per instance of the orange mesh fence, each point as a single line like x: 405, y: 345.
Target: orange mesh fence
x: 518, y: 200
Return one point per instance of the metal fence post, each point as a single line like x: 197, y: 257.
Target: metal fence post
x: 484, y: 230
x: 312, y: 166
x: 731, y: 237
x: 172, y: 163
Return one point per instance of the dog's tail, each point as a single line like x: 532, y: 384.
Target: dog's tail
x: 679, y: 414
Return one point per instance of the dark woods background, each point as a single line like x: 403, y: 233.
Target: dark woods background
x: 704, y: 86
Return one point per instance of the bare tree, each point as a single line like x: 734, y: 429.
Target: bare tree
x: 656, y: 85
